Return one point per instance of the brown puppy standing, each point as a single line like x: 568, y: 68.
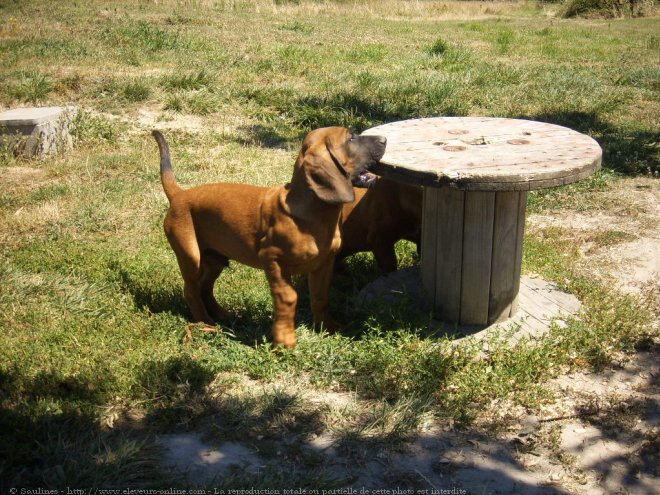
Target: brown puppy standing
x: 382, y: 214
x: 286, y: 230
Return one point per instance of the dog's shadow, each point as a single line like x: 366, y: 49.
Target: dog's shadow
x: 251, y: 325
x: 151, y: 296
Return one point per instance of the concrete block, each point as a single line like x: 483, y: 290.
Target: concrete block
x: 36, y: 132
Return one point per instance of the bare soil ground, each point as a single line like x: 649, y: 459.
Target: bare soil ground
x: 620, y: 240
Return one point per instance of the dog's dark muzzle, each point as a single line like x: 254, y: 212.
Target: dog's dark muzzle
x: 377, y: 146
x: 373, y: 148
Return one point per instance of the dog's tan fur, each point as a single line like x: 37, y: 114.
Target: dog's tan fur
x: 381, y: 215
x: 287, y: 230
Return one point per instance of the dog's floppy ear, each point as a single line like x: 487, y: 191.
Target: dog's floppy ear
x: 327, y: 178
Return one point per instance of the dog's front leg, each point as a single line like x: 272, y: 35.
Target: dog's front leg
x: 285, y: 298
x: 319, y: 287
x: 385, y: 255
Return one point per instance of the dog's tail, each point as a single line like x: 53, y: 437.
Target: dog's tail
x: 166, y: 174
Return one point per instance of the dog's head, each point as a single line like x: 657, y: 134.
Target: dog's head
x: 333, y: 159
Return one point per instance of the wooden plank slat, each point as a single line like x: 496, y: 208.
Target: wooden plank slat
x: 480, y: 142
x: 429, y: 246
x: 529, y: 185
x: 505, y: 238
x: 540, y: 308
x: 490, y: 166
x: 546, y: 294
x: 520, y: 232
x: 477, y: 255
x: 467, y: 125
x: 449, y: 225
x: 489, y: 169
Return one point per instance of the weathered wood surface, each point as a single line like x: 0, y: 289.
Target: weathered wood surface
x: 508, y: 228
x: 541, y: 302
x: 522, y: 206
x: 442, y: 250
x: 486, y: 154
x: 471, y: 253
x: 477, y: 257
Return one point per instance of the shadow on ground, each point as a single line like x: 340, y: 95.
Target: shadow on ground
x: 280, y: 438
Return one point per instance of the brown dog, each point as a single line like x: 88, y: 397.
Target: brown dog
x: 382, y: 214
x: 287, y: 230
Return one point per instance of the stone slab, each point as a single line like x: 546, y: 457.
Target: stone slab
x: 36, y: 132
x: 30, y: 116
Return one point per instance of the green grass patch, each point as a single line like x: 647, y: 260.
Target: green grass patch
x: 32, y: 87
x: 144, y: 35
x: 87, y: 127
x: 438, y: 48
x: 136, y: 91
x: 189, y: 81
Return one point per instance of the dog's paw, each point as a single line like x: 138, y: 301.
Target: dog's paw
x: 286, y: 343
x: 284, y: 337
x: 204, y: 327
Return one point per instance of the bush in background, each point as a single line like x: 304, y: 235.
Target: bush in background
x: 606, y: 8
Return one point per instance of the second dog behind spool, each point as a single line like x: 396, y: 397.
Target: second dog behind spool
x: 382, y: 214
x: 286, y: 230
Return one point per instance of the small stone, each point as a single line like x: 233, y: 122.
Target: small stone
x: 36, y: 132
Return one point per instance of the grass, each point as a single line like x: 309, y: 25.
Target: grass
x: 33, y: 87
x: 91, y: 309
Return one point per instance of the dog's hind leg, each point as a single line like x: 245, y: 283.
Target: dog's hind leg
x: 211, y: 267
x: 188, y: 256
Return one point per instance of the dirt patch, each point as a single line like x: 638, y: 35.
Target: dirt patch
x: 22, y: 178
x: 619, y: 240
x: 635, y: 265
x: 598, y: 436
x: 612, y: 437
x: 157, y: 119
x: 150, y: 117
x: 187, y: 453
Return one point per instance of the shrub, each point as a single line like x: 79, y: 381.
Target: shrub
x: 136, y: 90
x: 93, y: 128
x: 438, y: 48
x: 32, y: 88
x: 605, y: 8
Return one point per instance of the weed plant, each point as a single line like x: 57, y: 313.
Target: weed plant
x: 92, y: 316
x: 32, y: 87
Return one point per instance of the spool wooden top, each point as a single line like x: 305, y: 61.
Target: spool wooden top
x: 486, y: 154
